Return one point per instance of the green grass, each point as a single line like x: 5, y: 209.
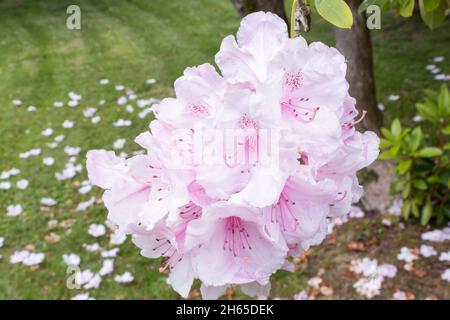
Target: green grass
x: 128, y: 42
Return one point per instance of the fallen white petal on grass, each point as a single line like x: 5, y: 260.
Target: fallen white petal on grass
x: 82, y: 206
x: 437, y: 235
x: 89, y: 112
x: 14, y: 210
x: 2, y: 241
x: 93, y: 247
x: 5, y: 185
x: 406, y: 255
x: 427, y: 251
x: 107, y: 267
x: 18, y: 256
x: 72, y: 103
x: 22, y: 184
x: 126, y: 277
x: 70, y: 170
x: 93, y: 283
x: 399, y: 295
x: 82, y: 296
x: 71, y: 259
x: 97, y: 230
x: 72, y: 151
x: 74, y: 96
x: 85, y: 189
x: 445, y: 256
x: 119, y: 143
x: 110, y: 253
x: 58, y: 104
x: 48, y: 202
x: 417, y: 118
x: 122, y: 100
x: 67, y: 124
x: 31, y: 109
x: 34, y: 259
x: 47, y: 132
x: 393, y: 97
x: 96, y: 119
x: 369, y: 287
x: 104, y: 82
x: 129, y: 108
x: 122, y: 123
x: 48, y: 161
x: 17, y: 102
x: 446, y: 275
x: 83, y: 277
x: 117, y: 238
x: 387, y: 270
x: 30, y: 153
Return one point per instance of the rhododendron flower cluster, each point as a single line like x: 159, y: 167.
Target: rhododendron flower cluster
x: 243, y: 168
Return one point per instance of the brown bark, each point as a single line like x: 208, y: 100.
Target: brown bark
x: 244, y: 7
x: 355, y: 44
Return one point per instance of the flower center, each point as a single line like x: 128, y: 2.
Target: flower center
x: 236, y: 236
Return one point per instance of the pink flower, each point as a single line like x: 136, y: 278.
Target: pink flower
x: 244, y: 168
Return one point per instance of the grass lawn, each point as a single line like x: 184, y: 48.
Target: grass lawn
x: 128, y: 42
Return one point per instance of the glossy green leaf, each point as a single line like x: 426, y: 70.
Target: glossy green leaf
x: 407, y: 9
x: 431, y: 5
x: 406, y: 209
x: 336, y: 12
x: 396, y: 128
x: 386, y: 133
x: 429, y: 152
x: 415, y: 210
x: 415, y: 139
x: 446, y: 130
x: 432, y: 19
x: 420, y: 184
x: 427, y: 212
x: 444, y: 100
x: 428, y: 112
x: 404, y: 166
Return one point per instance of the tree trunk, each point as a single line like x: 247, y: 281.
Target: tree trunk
x: 244, y: 7
x: 356, y: 46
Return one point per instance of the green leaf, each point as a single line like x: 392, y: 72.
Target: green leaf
x: 406, y: 209
x: 444, y: 100
x: 336, y: 12
x: 433, y: 179
x: 407, y: 9
x: 431, y: 5
x: 396, y: 128
x: 446, y: 130
x: 415, y: 210
x: 415, y: 139
x: 387, y: 134
x: 447, y: 146
x: 406, y: 191
x: 420, y: 184
x: 385, y: 143
x: 432, y: 19
x: 428, y: 112
x: 429, y: 152
x: 404, y: 166
x: 391, y: 153
x: 427, y: 211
